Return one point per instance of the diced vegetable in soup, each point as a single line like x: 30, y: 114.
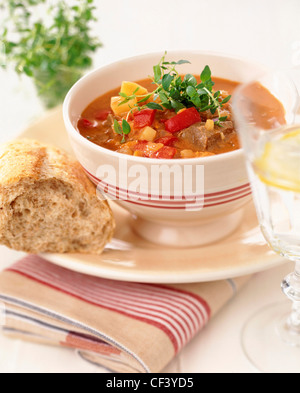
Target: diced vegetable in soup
x: 169, y: 116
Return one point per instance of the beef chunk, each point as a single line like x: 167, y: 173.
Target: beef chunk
x: 110, y: 120
x: 201, y: 139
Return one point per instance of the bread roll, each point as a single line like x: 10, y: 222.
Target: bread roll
x: 47, y: 204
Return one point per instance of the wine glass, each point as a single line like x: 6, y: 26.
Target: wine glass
x: 265, y: 112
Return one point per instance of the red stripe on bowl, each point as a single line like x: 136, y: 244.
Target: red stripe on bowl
x: 185, y: 206
x: 170, y: 201
x: 158, y: 197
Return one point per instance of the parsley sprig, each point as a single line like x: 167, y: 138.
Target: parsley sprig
x: 175, y: 93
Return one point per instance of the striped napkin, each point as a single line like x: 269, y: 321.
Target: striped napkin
x: 122, y: 326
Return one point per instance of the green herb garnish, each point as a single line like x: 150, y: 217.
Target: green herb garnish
x: 176, y: 93
x: 218, y: 122
x: 123, y: 129
x: 54, y: 50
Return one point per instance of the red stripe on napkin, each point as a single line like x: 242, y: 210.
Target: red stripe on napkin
x: 180, y: 314
x: 80, y: 341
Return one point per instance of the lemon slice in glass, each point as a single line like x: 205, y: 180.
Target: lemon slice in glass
x: 279, y: 165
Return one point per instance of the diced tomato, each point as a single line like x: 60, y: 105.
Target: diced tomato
x: 140, y: 145
x: 102, y: 114
x: 144, y: 118
x: 165, y: 152
x: 166, y: 140
x: 183, y: 120
x: 85, y: 123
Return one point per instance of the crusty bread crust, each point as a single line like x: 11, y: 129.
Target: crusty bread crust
x: 47, y: 203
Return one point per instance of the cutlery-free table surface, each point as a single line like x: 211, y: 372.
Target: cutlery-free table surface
x: 217, y: 349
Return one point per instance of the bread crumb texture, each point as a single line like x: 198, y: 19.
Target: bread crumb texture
x: 47, y: 203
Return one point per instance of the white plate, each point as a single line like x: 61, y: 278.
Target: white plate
x: 131, y: 258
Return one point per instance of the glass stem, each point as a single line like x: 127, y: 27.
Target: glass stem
x: 291, y: 288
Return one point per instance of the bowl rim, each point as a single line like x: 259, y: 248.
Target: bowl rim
x: 183, y: 161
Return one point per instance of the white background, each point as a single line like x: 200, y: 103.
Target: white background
x: 267, y: 31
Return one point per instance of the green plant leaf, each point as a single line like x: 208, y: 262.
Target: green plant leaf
x: 63, y: 43
x: 177, y: 105
x: 190, y: 80
x: 183, y: 62
x: 163, y: 97
x: 191, y: 91
x: 126, y: 127
x: 154, y: 105
x: 166, y: 81
x: 157, y: 73
x: 146, y: 98
x: 205, y: 74
x: 27, y: 71
x: 226, y: 100
x: 117, y: 127
x: 176, y: 93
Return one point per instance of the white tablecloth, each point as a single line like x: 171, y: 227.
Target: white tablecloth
x: 266, y: 31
